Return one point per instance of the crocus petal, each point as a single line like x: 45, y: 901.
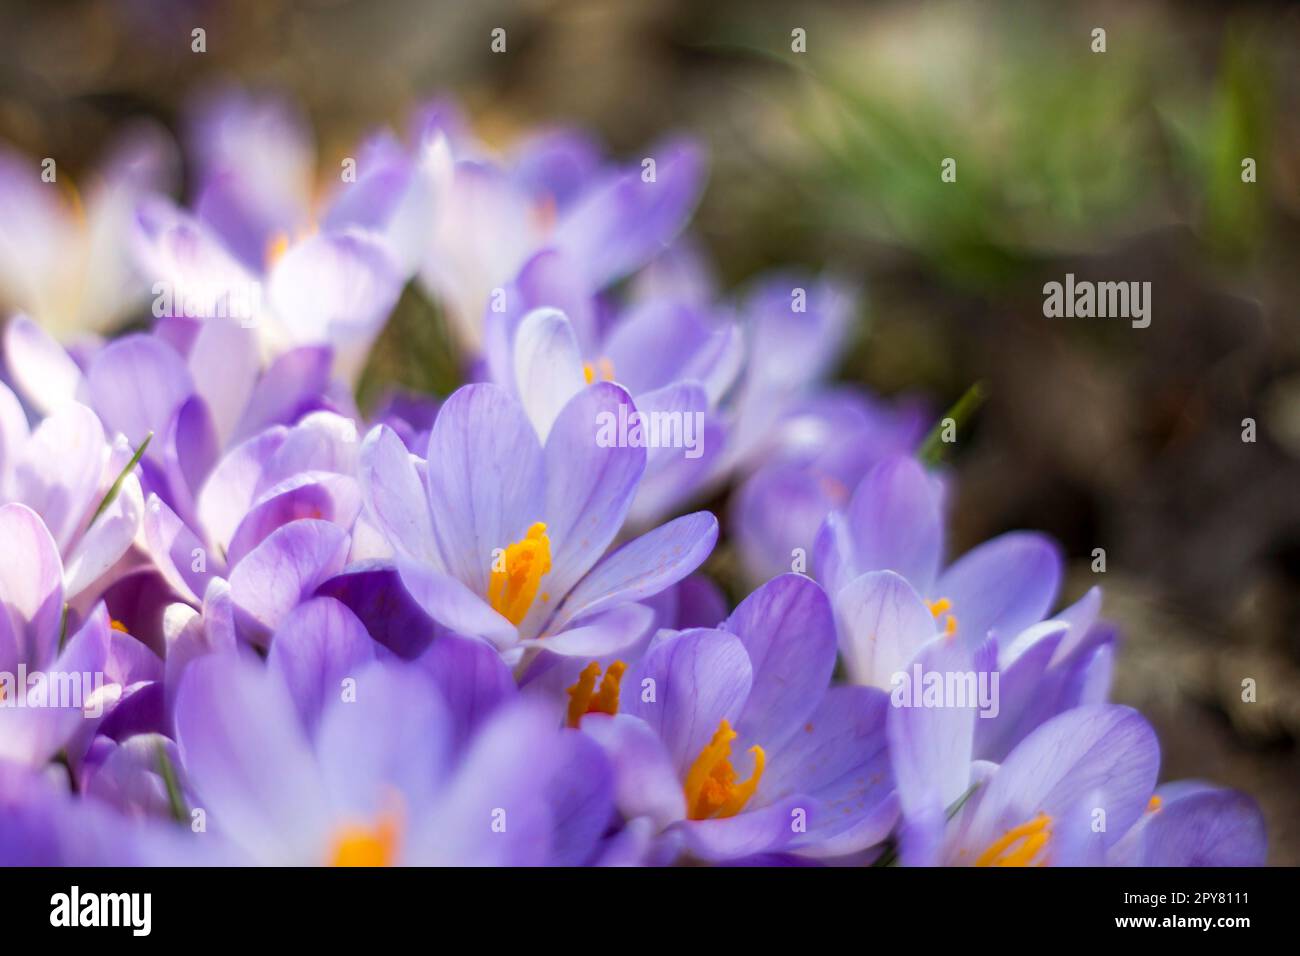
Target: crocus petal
x: 31, y: 585
x: 284, y: 570
x: 224, y: 365
x: 230, y: 489
x: 290, y: 386
x: 1005, y: 584
x: 473, y: 680
x: 548, y: 367
x: 699, y: 678
x: 178, y: 553
x: 449, y: 602
x: 373, y: 591
x: 788, y: 631
x: 317, y: 646
x: 599, y: 634
x: 589, y: 488
x: 486, y: 486
x: 329, y: 497
x: 643, y: 567
x: 61, y: 469
x: 895, y: 522
x: 1209, y: 828
x: 394, y: 495
x: 248, y: 760
x: 44, y: 373
x: 646, y: 783
x: 137, y: 384
x: 761, y: 830
x: 107, y: 539
x: 580, y: 796
x: 884, y: 623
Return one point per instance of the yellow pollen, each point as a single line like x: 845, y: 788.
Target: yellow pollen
x: 1154, y: 803
x: 359, y: 845
x: 512, y: 588
x: 585, y: 698
x: 276, y: 247
x: 1019, y: 846
x: 939, y: 608
x: 601, y: 370
x: 117, y: 625
x: 711, y: 789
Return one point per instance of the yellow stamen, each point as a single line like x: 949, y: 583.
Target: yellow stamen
x: 602, y: 370
x: 118, y: 626
x: 1019, y: 846
x: 1154, y: 804
x: 585, y: 699
x: 360, y: 845
x: 512, y: 588
x: 939, y: 608
x: 711, y: 788
x: 276, y: 248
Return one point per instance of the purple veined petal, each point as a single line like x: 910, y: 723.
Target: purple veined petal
x: 660, y: 342
x: 622, y: 223
x: 1026, y: 693
x: 840, y: 757
x: 373, y: 591
x: 248, y: 761
x: 487, y: 486
x: 883, y: 624
x: 189, y: 449
x: 1104, y: 754
x: 182, y: 558
x: 1209, y: 827
x: 589, y: 486
x: 547, y: 367
x: 282, y: 571
x: 316, y: 495
x: 645, y: 780
x: 137, y: 384
x: 496, y: 810
x: 337, y: 289
x: 451, y: 603
x: 108, y: 538
x: 580, y: 795
x: 1005, y: 584
x: 931, y: 741
x: 31, y: 585
x: 317, y: 646
x: 598, y: 635
x: 291, y: 384
x: 643, y: 567
x: 788, y: 631
x: 320, y: 441
x: 385, y: 749
x: 61, y: 468
x: 224, y: 364
x: 394, y: 496
x: 44, y: 373
x: 895, y: 523
x: 698, y: 679
x: 1080, y: 617
x: 761, y: 830
x: 473, y: 681
x: 231, y: 488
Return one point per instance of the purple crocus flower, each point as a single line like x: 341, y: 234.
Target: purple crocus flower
x: 677, y: 361
x: 893, y: 522
x: 814, y: 778
x: 49, y: 689
x: 62, y: 258
x: 63, y: 469
x: 502, y: 537
x: 326, y: 755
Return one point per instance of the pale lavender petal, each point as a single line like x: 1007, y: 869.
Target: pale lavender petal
x: 547, y: 366
x: 646, y: 783
x: 883, y: 624
x: 31, y: 585
x: 317, y: 646
x: 895, y: 522
x: 44, y: 373
x: 394, y: 495
x: 1005, y: 584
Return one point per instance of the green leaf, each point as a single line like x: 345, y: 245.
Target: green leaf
x: 934, y: 449
x: 116, y: 487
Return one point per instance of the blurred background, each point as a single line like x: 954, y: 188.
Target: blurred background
x: 1123, y: 165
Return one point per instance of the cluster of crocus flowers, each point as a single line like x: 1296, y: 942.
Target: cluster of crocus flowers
x: 478, y: 630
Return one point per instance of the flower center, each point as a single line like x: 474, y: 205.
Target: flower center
x: 517, y: 573
x: 601, y: 370
x: 712, y: 791
x: 1019, y: 846
x: 585, y: 699
x: 940, y: 609
x: 361, y: 845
